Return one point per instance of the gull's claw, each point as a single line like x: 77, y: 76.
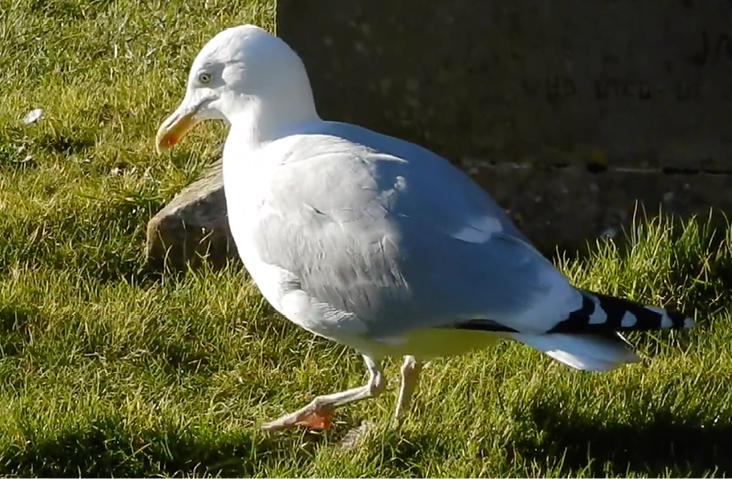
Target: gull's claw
x: 311, y: 419
x: 315, y: 420
x: 316, y: 415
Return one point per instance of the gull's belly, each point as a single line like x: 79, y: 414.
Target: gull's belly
x: 319, y: 319
x: 426, y: 344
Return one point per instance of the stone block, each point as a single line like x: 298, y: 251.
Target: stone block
x: 568, y: 207
x: 611, y: 82
x: 193, y: 226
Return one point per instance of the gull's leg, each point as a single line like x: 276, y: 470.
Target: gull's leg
x: 316, y: 415
x: 410, y: 377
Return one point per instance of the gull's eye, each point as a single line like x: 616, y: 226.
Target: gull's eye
x: 204, y: 78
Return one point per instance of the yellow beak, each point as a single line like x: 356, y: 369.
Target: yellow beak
x: 174, y: 128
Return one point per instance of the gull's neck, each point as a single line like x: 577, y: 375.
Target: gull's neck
x: 263, y: 121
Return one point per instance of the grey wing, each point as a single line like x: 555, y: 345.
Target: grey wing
x: 399, y: 245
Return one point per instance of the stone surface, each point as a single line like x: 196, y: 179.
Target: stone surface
x: 566, y: 207
x: 568, y: 81
x: 193, y: 225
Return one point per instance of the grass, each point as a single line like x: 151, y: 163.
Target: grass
x: 105, y: 370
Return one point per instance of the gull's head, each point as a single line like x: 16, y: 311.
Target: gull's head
x: 243, y: 74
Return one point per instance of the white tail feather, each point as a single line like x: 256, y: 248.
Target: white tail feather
x: 581, y: 351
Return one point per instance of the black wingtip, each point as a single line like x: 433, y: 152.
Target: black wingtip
x: 601, y: 313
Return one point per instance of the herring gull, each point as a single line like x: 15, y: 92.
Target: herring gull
x: 375, y: 242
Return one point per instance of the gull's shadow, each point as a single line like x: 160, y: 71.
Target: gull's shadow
x: 663, y: 444
x: 107, y: 449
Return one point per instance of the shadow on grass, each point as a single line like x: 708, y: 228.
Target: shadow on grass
x: 684, y: 446
x: 108, y: 449
x: 14, y: 329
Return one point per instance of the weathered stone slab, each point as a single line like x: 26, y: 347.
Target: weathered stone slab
x: 613, y: 82
x: 193, y: 225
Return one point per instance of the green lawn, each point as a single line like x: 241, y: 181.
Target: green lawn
x: 107, y: 370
